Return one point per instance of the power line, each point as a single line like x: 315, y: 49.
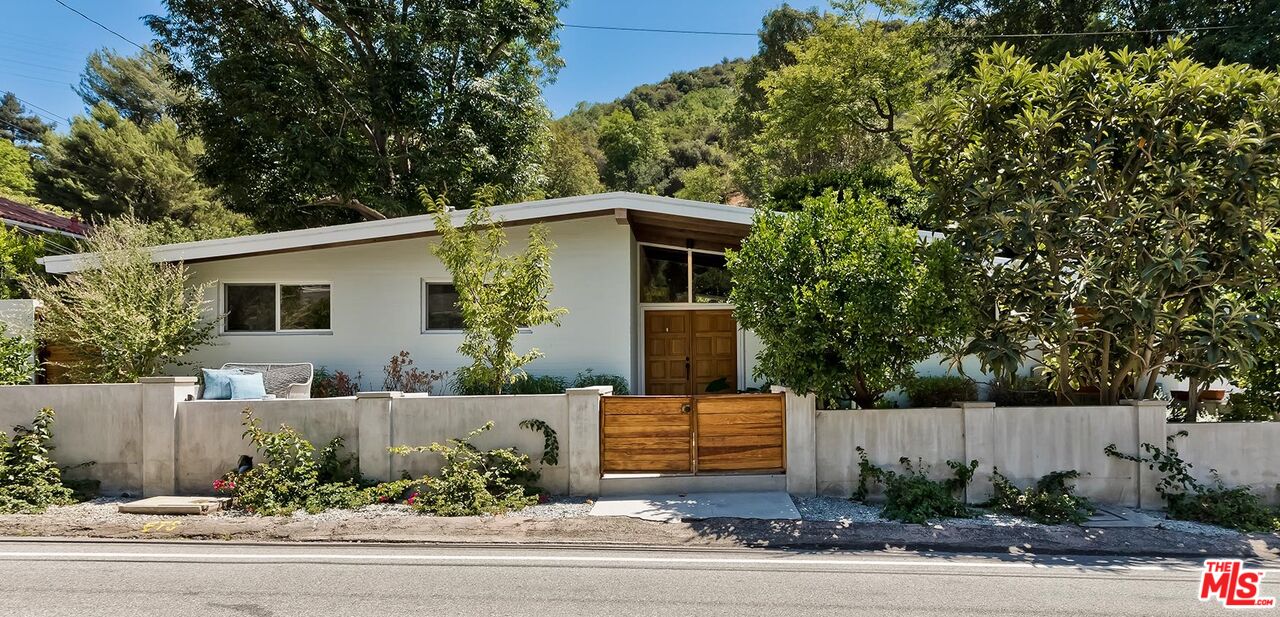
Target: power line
x: 30, y: 136
x: 659, y: 30
x: 104, y: 27
x: 971, y: 36
x: 30, y: 104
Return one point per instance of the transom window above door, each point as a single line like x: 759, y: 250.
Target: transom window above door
x: 667, y: 275
x: 276, y: 307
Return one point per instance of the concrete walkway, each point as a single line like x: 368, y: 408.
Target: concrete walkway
x: 699, y: 506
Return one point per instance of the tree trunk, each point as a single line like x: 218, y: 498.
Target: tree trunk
x: 1193, y: 399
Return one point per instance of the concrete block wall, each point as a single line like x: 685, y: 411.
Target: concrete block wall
x: 1025, y: 443
x: 153, y: 438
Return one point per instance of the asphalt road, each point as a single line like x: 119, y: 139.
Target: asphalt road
x: 39, y: 579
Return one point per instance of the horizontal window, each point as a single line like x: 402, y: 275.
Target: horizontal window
x: 441, y: 307
x: 276, y: 307
x: 680, y: 276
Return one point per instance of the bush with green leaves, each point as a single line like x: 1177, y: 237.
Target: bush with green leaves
x: 126, y: 317
x: 471, y: 481
x: 845, y: 301
x: 940, y: 391
x: 17, y: 358
x: 587, y: 378
x: 537, y: 384
x: 293, y: 476
x: 1051, y: 501
x: 911, y: 496
x: 30, y: 481
x: 1022, y: 391
x: 1190, y: 500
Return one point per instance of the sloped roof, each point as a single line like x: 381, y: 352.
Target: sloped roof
x: 20, y: 215
x: 421, y: 225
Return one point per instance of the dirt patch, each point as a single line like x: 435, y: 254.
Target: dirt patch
x: 99, y: 521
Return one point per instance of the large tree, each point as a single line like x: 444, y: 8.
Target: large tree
x: 18, y: 125
x: 1245, y: 31
x: 318, y: 111
x: 569, y: 169
x: 1119, y: 212
x: 136, y: 86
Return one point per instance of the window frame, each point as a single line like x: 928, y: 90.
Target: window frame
x: 688, y: 268
x: 276, y: 284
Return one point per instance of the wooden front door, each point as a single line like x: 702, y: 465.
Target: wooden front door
x: 690, y: 352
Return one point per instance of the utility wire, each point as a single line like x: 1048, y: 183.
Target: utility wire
x: 104, y: 27
x: 972, y: 36
x: 50, y: 115
x: 30, y: 136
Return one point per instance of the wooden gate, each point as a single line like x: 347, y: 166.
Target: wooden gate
x: 691, y: 434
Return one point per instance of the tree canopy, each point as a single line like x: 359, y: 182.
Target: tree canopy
x: 316, y: 111
x: 135, y: 86
x: 1119, y: 212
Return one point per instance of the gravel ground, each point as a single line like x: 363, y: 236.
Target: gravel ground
x: 846, y: 511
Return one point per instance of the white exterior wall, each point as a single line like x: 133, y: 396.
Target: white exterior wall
x: 377, y: 305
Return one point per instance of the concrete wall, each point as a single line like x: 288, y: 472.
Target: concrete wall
x: 18, y: 316
x: 1242, y: 453
x: 1022, y: 443
x: 101, y: 423
x: 377, y: 305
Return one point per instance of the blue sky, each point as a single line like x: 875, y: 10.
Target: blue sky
x: 43, y: 45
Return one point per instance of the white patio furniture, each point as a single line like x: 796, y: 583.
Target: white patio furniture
x: 282, y: 379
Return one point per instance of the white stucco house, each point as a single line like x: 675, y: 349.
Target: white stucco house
x: 642, y: 277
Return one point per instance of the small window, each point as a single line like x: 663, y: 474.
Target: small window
x: 711, y: 279
x: 664, y: 275
x: 442, y: 311
x: 270, y: 307
x: 251, y: 308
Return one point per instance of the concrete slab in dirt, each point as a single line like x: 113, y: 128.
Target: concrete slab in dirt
x: 697, y: 506
x: 1112, y: 517
x: 173, y: 505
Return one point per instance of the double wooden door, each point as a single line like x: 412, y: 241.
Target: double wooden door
x: 690, y: 352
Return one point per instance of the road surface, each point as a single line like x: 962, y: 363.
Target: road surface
x: 39, y: 579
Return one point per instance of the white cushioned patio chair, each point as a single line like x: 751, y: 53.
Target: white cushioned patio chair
x: 283, y: 379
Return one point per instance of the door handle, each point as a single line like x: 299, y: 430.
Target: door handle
x: 686, y: 408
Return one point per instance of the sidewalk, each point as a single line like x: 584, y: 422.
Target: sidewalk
x: 386, y: 526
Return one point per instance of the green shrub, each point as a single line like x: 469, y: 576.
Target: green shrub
x: 17, y: 358
x: 939, y: 391
x: 1051, y: 501
x: 1189, y: 500
x: 29, y: 479
x: 586, y: 379
x: 292, y: 476
x: 911, y: 497
x: 473, y: 482
x: 1250, y: 406
x: 539, y: 384
x: 1022, y: 391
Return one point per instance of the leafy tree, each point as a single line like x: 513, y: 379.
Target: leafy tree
x: 319, y: 111
x: 569, y: 169
x: 781, y: 30
x: 18, y: 253
x: 632, y: 147
x: 109, y: 166
x: 126, y: 317
x: 841, y: 104
x: 497, y: 294
x: 136, y: 86
x: 17, y: 358
x: 845, y: 301
x: 1244, y: 31
x: 705, y: 182
x: 15, y: 171
x: 892, y: 184
x: 1119, y: 212
x: 19, y: 126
